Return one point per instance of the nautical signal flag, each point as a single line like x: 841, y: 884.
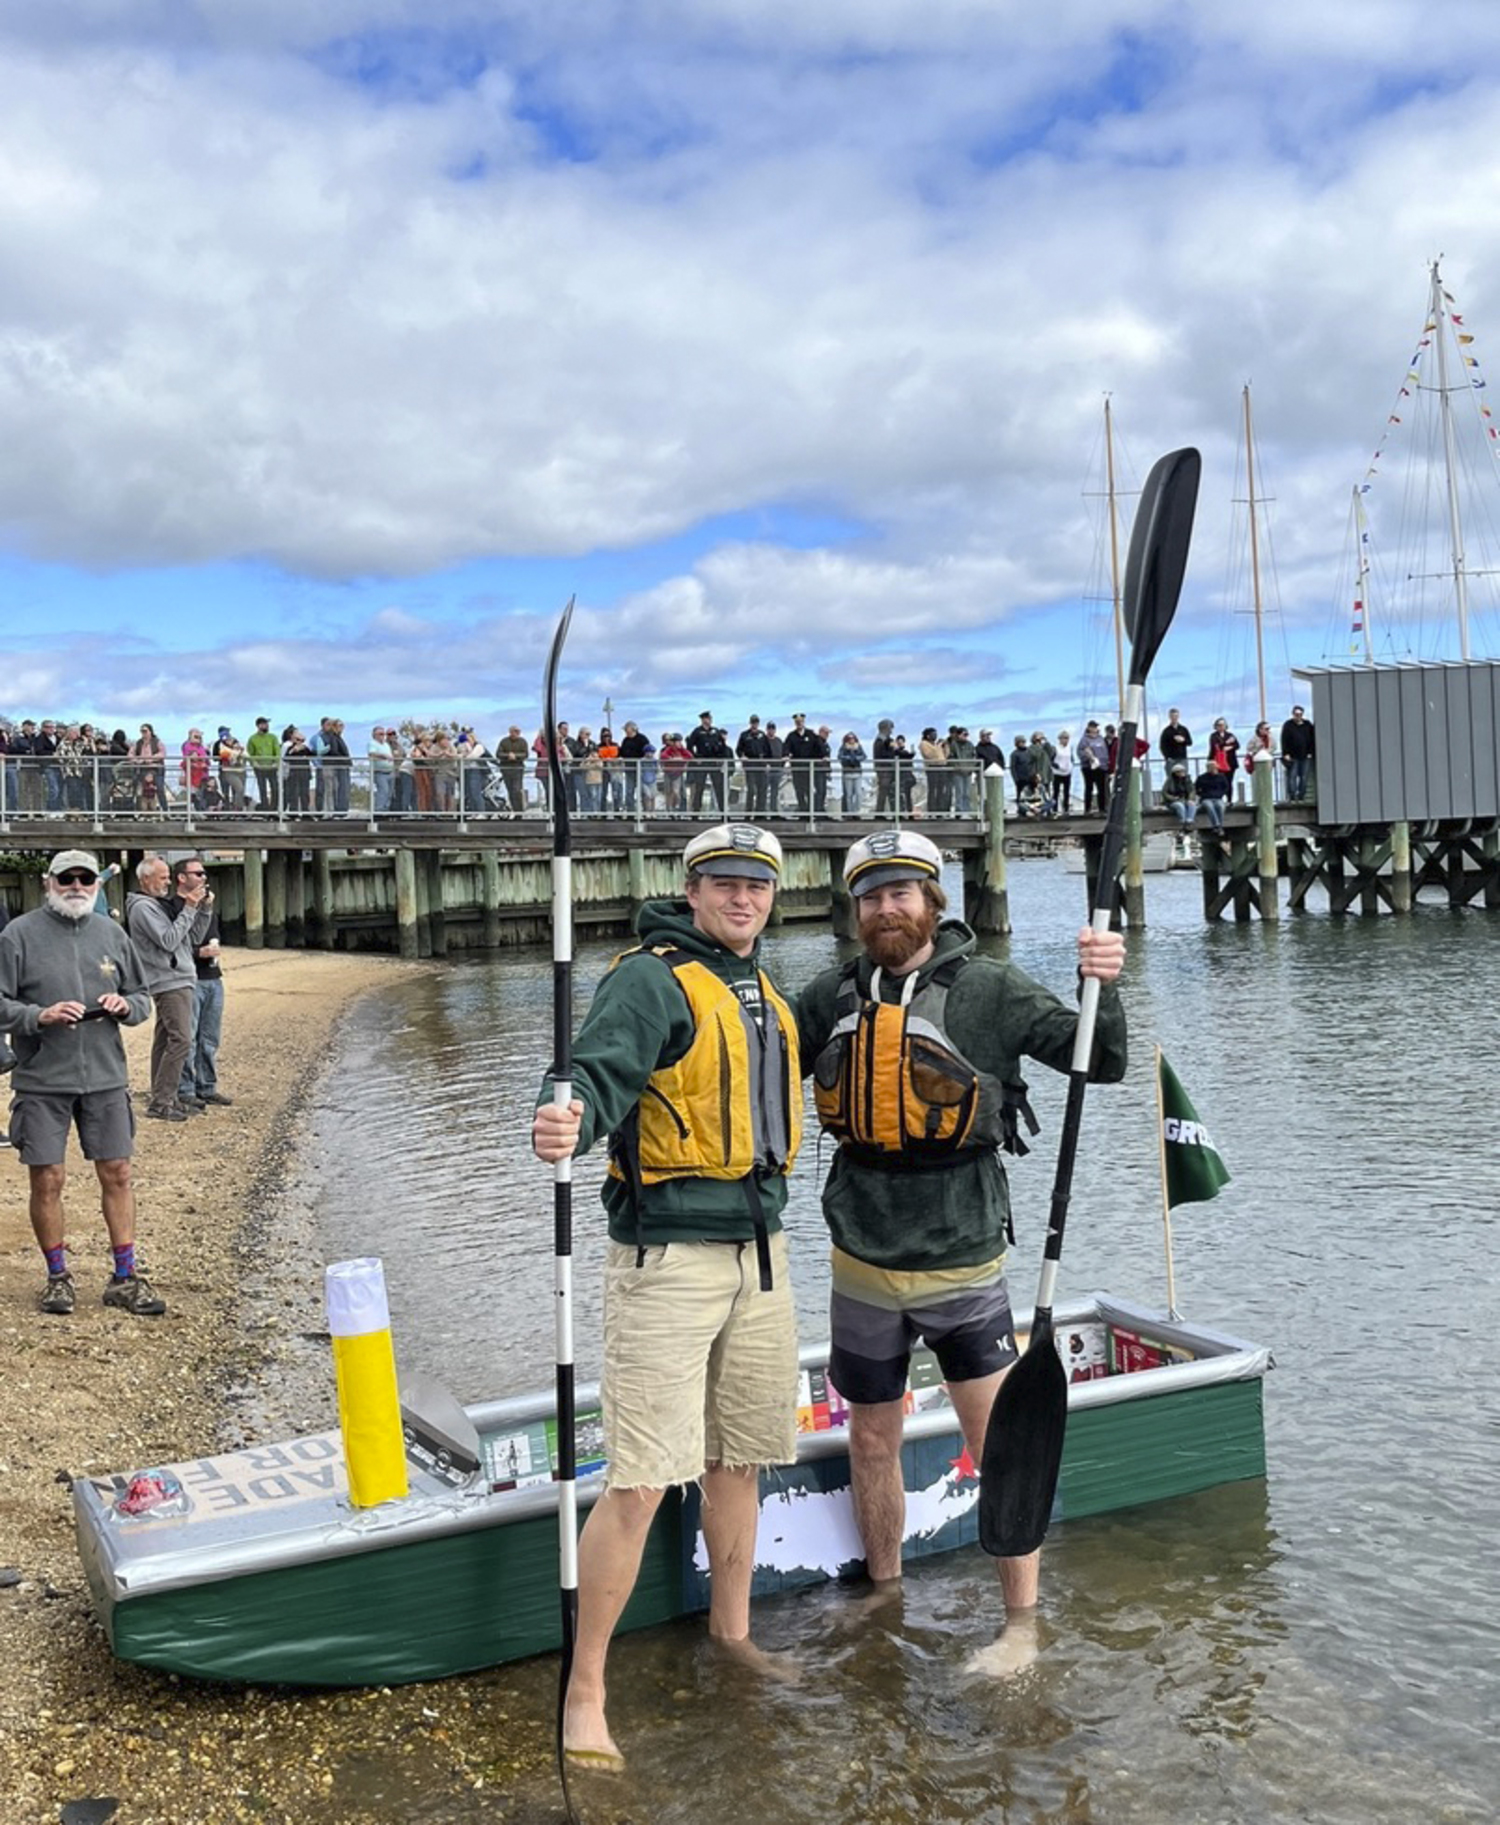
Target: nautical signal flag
x: 1194, y: 1171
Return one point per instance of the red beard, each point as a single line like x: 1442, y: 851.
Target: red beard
x: 893, y: 939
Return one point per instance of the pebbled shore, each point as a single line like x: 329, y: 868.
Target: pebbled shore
x: 236, y: 1357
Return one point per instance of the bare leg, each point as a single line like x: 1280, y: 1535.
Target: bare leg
x: 1017, y: 1646
x: 731, y: 1504
x: 731, y: 1508
x: 118, y: 1199
x: 878, y: 1487
x: 46, y: 1204
x: 609, y: 1559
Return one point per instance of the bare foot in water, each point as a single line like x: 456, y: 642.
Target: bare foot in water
x: 878, y: 1594
x: 1014, y: 1651
x: 743, y: 1652
x: 587, y: 1742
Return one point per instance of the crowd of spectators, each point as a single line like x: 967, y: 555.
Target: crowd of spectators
x: 52, y: 767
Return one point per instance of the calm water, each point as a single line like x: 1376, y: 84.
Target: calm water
x: 1321, y: 1647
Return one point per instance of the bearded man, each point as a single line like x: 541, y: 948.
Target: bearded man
x: 916, y: 1048
x: 68, y: 983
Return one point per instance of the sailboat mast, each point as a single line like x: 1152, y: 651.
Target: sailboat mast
x: 1438, y: 317
x: 1260, y: 645
x: 1114, y: 554
x: 1361, y: 627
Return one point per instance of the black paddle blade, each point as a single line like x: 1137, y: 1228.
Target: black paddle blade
x: 1023, y: 1448
x: 561, y: 827
x: 1159, y: 542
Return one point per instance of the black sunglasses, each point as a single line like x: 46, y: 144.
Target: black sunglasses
x: 75, y: 878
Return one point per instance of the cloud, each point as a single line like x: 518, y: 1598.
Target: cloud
x: 374, y: 290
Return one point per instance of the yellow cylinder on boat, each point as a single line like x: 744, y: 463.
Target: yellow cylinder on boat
x: 364, y: 1362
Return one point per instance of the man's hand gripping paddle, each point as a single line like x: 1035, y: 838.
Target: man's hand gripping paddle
x: 1024, y: 1443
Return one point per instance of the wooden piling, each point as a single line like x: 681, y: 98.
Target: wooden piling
x: 255, y: 900
x: 489, y: 867
x: 987, y: 899
x: 322, y: 930
x: 276, y: 899
x: 436, y: 909
x: 844, y: 918
x: 297, y: 923
x: 635, y: 863
x: 407, y: 941
x: 1135, y: 870
x: 1264, y: 780
x: 1401, y: 885
x: 424, y: 902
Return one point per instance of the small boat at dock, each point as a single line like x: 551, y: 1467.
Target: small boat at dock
x: 254, y: 1566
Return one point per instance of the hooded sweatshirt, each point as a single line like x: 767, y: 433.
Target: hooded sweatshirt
x: 640, y: 1021
x: 914, y: 1218
x: 47, y: 957
x: 166, y: 944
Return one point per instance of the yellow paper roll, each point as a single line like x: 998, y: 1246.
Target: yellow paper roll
x: 365, y: 1366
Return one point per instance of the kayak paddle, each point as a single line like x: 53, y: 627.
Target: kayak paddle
x: 562, y: 1193
x: 1024, y: 1440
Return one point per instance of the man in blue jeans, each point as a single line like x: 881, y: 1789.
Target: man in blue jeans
x: 199, y: 1083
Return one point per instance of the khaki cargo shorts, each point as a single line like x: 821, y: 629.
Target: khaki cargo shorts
x: 700, y: 1366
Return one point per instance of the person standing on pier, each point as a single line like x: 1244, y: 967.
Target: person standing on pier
x: 1297, y: 748
x: 687, y: 1062
x: 1093, y: 757
x: 754, y: 750
x: 917, y: 1201
x: 1175, y: 740
x: 264, y: 749
x: 68, y: 983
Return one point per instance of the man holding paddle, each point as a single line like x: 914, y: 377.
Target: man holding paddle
x: 687, y: 1062
x: 916, y: 1048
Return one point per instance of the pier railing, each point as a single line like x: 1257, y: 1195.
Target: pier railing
x: 99, y: 791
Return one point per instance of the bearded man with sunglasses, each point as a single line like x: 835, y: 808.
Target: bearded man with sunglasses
x: 68, y: 983
x: 916, y: 1050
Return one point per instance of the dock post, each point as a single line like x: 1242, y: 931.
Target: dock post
x: 322, y: 932
x: 424, y: 903
x: 635, y: 862
x: 255, y: 900
x: 841, y: 902
x: 438, y: 911
x: 1265, y: 830
x: 1135, y: 872
x: 1401, y: 894
x: 1489, y: 848
x: 406, y: 904
x: 990, y: 907
x: 296, y: 900
x: 489, y: 864
x: 276, y: 899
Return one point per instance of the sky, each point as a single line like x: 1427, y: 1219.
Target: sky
x: 342, y: 345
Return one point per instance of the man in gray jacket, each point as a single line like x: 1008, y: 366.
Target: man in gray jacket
x: 68, y: 982
x: 165, y: 946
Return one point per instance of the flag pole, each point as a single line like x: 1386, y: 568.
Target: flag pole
x: 1166, y: 1208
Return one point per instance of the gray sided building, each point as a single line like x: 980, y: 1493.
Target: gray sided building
x: 1406, y: 741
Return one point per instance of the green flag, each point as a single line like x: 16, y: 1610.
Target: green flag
x: 1194, y: 1171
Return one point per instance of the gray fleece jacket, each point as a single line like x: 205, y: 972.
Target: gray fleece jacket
x: 164, y: 944
x: 46, y: 957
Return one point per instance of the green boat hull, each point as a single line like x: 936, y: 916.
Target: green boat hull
x: 433, y: 1600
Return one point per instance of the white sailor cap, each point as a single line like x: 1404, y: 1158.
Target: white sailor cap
x: 891, y: 855
x: 742, y: 849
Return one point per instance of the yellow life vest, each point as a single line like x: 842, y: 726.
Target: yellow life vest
x: 890, y: 1081
x: 732, y: 1104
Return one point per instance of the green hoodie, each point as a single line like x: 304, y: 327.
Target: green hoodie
x: 639, y: 1021
x: 919, y: 1218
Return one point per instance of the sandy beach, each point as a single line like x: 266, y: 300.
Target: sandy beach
x: 236, y: 1356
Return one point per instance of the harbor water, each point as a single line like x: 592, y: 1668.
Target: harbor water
x: 1322, y: 1646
